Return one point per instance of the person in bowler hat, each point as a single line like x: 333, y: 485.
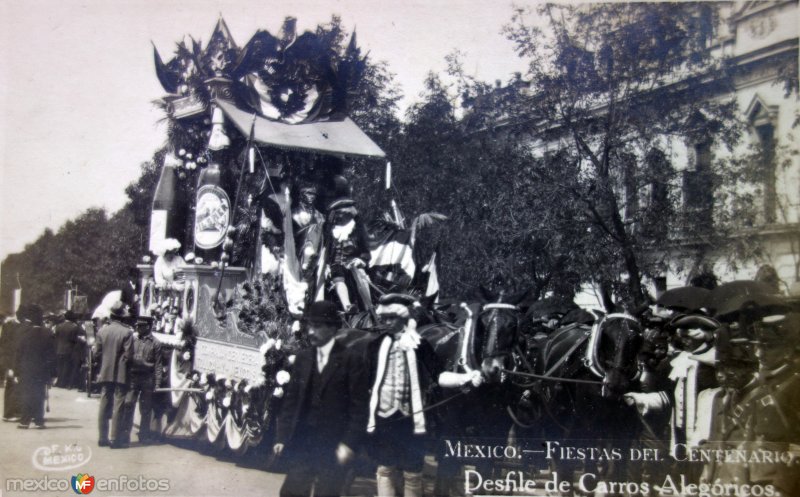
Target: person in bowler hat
x: 113, y: 345
x: 34, y: 366
x: 322, y: 419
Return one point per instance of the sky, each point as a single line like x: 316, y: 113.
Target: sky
x: 77, y: 82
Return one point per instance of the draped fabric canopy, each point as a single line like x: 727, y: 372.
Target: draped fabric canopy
x: 332, y: 137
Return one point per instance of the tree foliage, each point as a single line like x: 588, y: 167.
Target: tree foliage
x: 95, y: 252
x: 613, y: 87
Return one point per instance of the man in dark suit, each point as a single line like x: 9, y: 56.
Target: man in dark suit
x: 66, y: 336
x: 8, y: 349
x: 113, y: 344
x: 34, y: 367
x: 323, y: 416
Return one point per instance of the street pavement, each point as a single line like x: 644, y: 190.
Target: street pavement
x: 42, y: 462
x: 45, y: 459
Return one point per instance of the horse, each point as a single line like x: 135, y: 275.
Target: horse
x: 477, y: 346
x: 572, y: 382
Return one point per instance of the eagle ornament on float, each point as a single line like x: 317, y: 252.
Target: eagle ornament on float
x: 247, y: 128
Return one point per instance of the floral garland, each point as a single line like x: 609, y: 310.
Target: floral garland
x: 261, y: 313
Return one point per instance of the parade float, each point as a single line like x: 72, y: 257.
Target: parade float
x: 253, y: 176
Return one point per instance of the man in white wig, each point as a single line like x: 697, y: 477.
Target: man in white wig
x: 403, y: 369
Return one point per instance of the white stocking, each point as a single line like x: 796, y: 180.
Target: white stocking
x: 412, y: 483
x: 384, y: 478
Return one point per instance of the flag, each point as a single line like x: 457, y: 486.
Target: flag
x: 391, y: 264
x: 293, y: 283
x: 432, y: 286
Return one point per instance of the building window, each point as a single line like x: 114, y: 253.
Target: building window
x: 698, y: 187
x: 762, y: 119
x: 766, y: 139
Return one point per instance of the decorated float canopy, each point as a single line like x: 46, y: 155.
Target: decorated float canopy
x: 332, y: 137
x: 296, y: 87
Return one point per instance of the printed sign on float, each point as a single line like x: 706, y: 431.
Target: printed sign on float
x: 231, y: 361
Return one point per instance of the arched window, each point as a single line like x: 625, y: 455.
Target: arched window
x: 762, y: 119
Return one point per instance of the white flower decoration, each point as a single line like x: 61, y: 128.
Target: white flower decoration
x: 226, y: 402
x: 278, y: 392
x: 278, y: 344
x: 291, y: 359
x: 283, y: 377
x: 267, y: 345
x: 209, y: 395
x: 186, y: 355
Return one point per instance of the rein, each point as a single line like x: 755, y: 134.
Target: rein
x: 551, y: 378
x: 425, y: 409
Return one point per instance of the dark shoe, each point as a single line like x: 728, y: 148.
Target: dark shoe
x: 22, y: 426
x: 40, y: 426
x: 120, y: 445
x: 103, y: 443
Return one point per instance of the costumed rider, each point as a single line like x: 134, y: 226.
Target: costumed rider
x: 168, y: 262
x: 307, y: 223
x: 168, y: 282
x: 273, y: 205
x: 403, y: 370
x: 348, y: 252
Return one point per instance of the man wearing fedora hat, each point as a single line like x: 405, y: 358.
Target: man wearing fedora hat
x: 34, y: 366
x: 323, y: 415
x: 403, y: 371
x: 113, y: 345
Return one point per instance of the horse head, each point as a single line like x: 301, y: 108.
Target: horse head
x: 612, y: 353
x: 496, y: 333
